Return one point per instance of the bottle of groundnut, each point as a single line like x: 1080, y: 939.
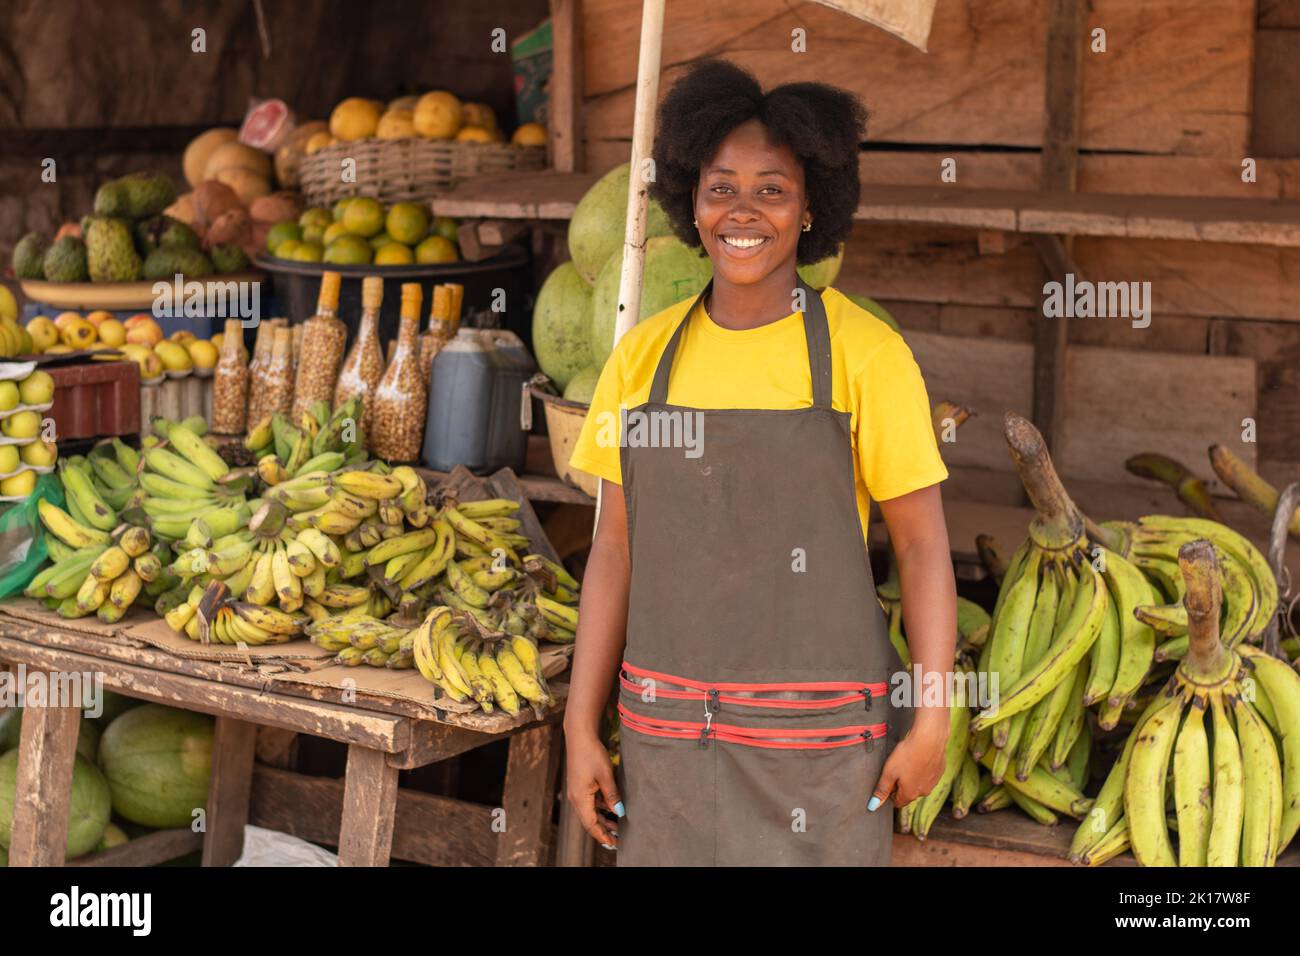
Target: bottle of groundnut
x: 364, y: 365
x: 403, y: 393
x: 321, y: 351
x: 230, y: 383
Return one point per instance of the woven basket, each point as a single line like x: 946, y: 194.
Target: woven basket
x: 393, y: 170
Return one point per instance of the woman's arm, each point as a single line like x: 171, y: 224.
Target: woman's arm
x: 597, y: 652
x: 919, y: 537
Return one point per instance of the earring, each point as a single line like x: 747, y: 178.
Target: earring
x: 807, y: 226
x: 695, y: 223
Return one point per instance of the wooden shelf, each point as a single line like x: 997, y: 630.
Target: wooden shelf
x: 1270, y: 222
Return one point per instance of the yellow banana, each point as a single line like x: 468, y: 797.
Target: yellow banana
x: 71, y: 532
x: 368, y: 484
x: 1192, y: 789
x: 1281, y: 684
x: 1262, y: 777
x: 343, y: 596
x: 196, y: 451
x: 1227, y: 803
x: 1144, y: 787
x: 559, y: 614
x: 301, y: 559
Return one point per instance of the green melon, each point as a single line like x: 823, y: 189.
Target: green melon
x: 113, y: 705
x: 562, y: 325
x: 11, y: 723
x: 89, y: 806
x: 113, y: 836
x: 583, y: 385
x: 4, y: 856
x: 874, y: 307
x: 821, y: 274
x: 600, y: 219
x: 158, y: 761
x: 673, y: 272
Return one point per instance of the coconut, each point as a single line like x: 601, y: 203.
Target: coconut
x: 596, y: 229
x: 183, y: 209
x: 211, y: 199
x: 232, y: 226
x: 247, y: 184
x: 276, y: 207
x: 200, y: 150
x: 237, y: 154
x: 673, y: 271
x: 562, y: 325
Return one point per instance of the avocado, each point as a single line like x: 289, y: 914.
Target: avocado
x: 28, y: 256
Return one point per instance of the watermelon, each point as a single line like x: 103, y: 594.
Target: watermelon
x: 113, y: 836
x: 874, y: 307
x: 583, y: 385
x: 112, y: 705
x: 89, y: 806
x: 673, y: 272
x: 4, y: 856
x: 599, y: 220
x: 562, y: 325
x: 821, y: 274
x: 11, y: 723
x: 158, y: 761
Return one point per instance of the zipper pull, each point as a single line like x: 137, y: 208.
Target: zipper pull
x: 871, y: 743
x: 706, y: 729
x: 866, y: 693
x: 716, y: 705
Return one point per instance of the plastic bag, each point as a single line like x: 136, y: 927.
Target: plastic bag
x: 22, y: 536
x: 264, y: 847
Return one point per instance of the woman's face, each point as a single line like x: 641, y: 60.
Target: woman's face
x: 750, y: 205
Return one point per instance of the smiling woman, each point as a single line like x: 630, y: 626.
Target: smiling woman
x: 728, y: 586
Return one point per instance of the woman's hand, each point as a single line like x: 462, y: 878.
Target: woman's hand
x: 916, y: 763
x: 590, y: 783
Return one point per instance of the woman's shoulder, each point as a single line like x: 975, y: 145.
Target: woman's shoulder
x: 860, y: 326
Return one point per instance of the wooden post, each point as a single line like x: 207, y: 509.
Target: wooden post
x: 47, y: 750
x: 529, y: 796
x: 566, y: 86
x: 233, y: 743
x: 369, y: 805
x: 1066, y: 24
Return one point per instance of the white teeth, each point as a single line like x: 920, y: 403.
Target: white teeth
x: 742, y: 243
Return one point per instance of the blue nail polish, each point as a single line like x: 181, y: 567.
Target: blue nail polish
x: 873, y: 804
x: 618, y: 809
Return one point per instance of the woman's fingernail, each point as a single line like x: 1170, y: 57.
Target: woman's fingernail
x: 618, y: 809
x: 614, y: 834
x: 873, y: 803
x: 609, y: 846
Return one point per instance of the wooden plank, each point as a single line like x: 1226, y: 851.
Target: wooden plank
x: 47, y: 749
x: 529, y: 796
x: 1274, y: 131
x: 566, y: 85
x: 927, y: 264
x: 161, y: 846
x: 541, y: 195
x: 233, y: 743
x: 432, y: 741
x: 381, y: 731
x: 1275, y: 347
x: 429, y: 829
x: 1063, y: 100
x: 1118, y: 402
x: 369, y: 802
x: 1138, y: 96
x: 1279, y: 14
x: 1051, y: 338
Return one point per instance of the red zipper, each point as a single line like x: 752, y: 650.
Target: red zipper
x: 770, y: 738
x: 705, y: 691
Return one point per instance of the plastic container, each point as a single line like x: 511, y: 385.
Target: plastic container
x: 474, y: 397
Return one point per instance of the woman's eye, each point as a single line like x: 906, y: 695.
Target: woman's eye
x: 721, y: 189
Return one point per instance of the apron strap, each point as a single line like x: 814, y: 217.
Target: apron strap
x: 816, y: 331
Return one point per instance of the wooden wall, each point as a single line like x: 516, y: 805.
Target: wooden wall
x: 1185, y: 91
x: 105, y: 88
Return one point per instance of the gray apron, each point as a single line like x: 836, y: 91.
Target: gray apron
x: 754, y: 691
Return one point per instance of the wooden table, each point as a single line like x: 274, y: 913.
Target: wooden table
x: 362, y: 814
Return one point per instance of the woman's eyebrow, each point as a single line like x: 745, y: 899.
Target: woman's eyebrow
x: 761, y: 172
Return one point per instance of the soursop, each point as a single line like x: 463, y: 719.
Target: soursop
x: 28, y: 255
x: 135, y: 196
x: 158, y: 231
x: 228, y: 257
x: 166, y: 261
x: 66, y: 261
x: 110, y: 253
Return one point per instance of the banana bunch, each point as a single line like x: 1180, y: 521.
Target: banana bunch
x: 505, y: 672
x: 212, y: 616
x: 103, y: 574
x: 1220, y: 744
x: 322, y: 441
x: 1250, y: 592
x: 361, y: 639
x: 85, y: 493
x: 185, y: 479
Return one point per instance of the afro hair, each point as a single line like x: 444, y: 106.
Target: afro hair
x: 823, y: 126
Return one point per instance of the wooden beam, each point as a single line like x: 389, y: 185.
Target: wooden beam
x: 369, y: 803
x: 429, y: 829
x: 529, y: 796
x: 148, y: 850
x: 380, y: 731
x: 1051, y: 339
x: 566, y: 86
x: 47, y: 749
x: 233, y: 742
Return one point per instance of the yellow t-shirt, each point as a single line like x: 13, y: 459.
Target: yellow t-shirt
x: 874, y: 378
